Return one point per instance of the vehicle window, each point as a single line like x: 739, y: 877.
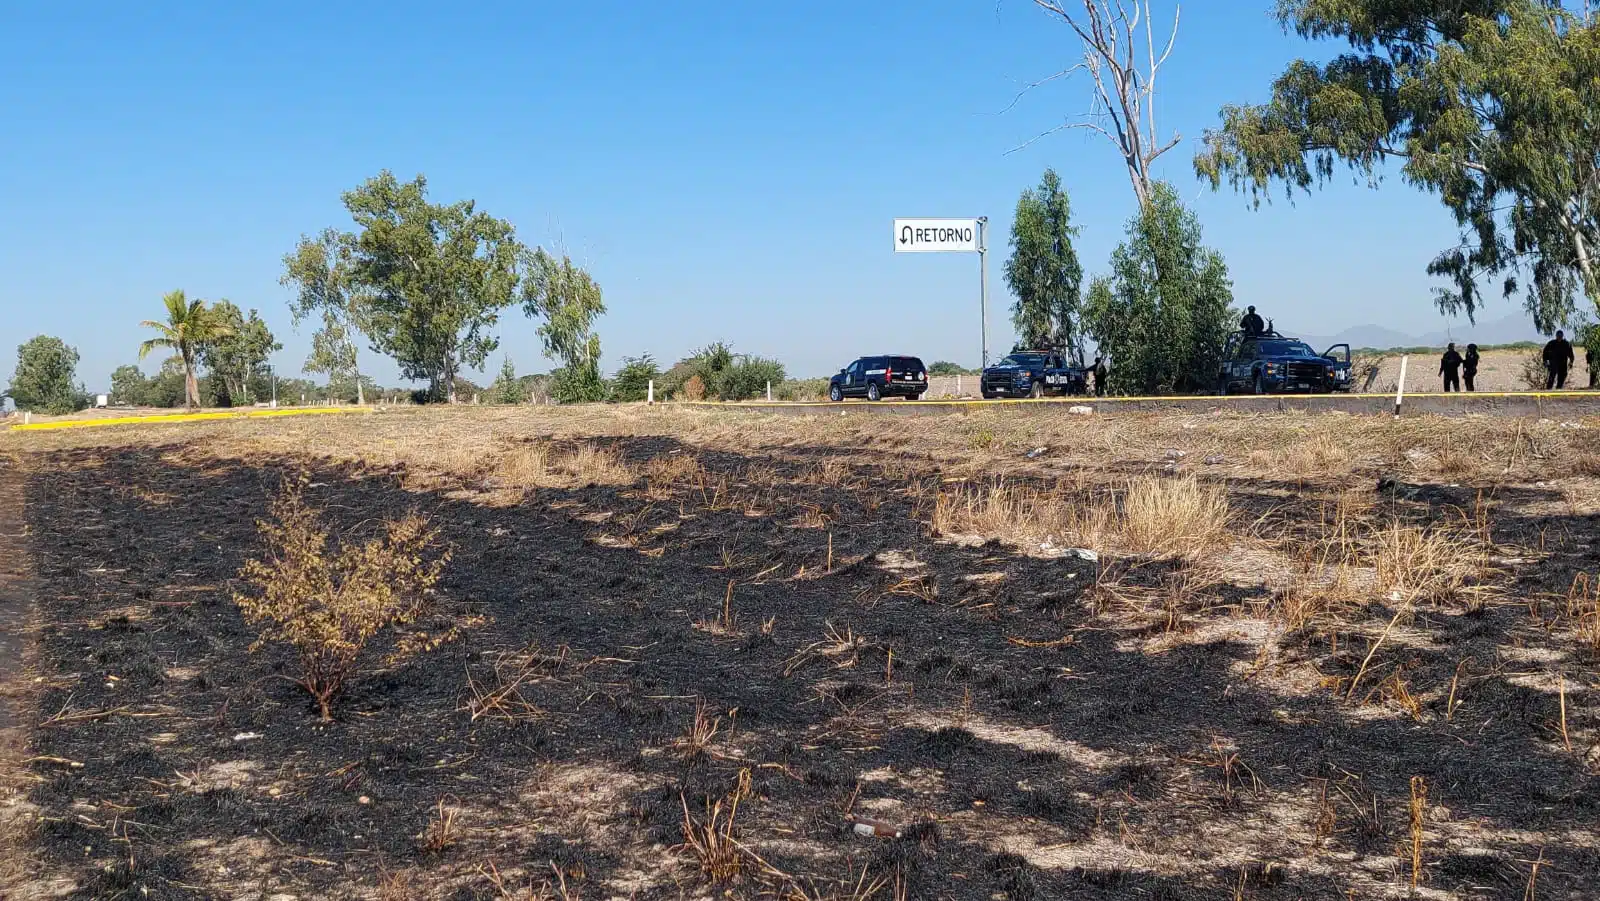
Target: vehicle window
x: 1249, y: 349
x: 1286, y: 349
x: 1023, y: 360
x: 906, y: 364
x: 855, y: 368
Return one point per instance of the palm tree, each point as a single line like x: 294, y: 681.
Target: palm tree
x: 190, y: 325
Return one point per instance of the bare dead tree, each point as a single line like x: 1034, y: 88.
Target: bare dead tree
x: 1119, y: 53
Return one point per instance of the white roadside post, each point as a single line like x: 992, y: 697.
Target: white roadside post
x: 650, y: 392
x: 769, y: 392
x: 1400, y: 387
x: 952, y: 236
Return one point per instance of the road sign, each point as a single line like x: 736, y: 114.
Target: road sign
x: 936, y: 236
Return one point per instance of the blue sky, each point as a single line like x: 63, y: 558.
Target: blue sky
x: 726, y: 170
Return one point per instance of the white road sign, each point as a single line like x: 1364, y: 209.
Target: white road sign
x: 935, y: 236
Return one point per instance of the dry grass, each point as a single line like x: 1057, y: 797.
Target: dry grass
x: 711, y: 842
x: 842, y: 649
x: 537, y: 465
x: 1178, y: 517
x: 702, y: 732
x: 1437, y: 564
x: 443, y: 831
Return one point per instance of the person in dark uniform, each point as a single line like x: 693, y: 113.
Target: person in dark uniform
x: 1252, y: 325
x: 1558, y: 358
x: 1469, y: 368
x: 1099, y: 376
x: 1588, y: 363
x: 1450, y: 368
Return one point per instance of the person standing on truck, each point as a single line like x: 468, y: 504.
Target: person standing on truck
x: 1450, y: 368
x: 1099, y: 376
x: 1251, y: 324
x: 1470, y: 366
x: 1558, y: 358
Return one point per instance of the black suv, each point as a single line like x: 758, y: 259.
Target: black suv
x: 1274, y: 364
x: 1031, y: 373
x: 875, y: 378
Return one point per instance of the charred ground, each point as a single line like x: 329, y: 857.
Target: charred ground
x: 1035, y: 724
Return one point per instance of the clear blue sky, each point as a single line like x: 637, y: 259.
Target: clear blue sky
x: 726, y: 170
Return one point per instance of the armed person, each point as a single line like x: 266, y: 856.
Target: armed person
x: 1588, y: 363
x: 1450, y: 368
x: 1470, y: 366
x: 1252, y: 325
x: 1099, y: 376
x: 1558, y: 359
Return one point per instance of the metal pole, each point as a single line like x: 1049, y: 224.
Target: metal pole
x: 983, y: 282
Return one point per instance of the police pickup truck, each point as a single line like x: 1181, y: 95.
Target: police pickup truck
x: 1271, y: 363
x: 1032, y: 374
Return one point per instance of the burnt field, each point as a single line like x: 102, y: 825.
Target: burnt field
x: 698, y: 654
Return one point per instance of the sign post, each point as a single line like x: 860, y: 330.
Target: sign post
x: 951, y: 236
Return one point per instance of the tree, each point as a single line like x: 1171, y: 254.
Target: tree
x: 632, y: 382
x: 1043, y: 270
x: 507, y: 388
x: 1124, y: 74
x: 44, y: 379
x: 945, y: 367
x: 321, y: 269
x: 129, y: 386
x: 1163, y: 333
x: 189, y: 328
x: 237, y: 357
x: 569, y: 299
x: 433, y: 278
x: 1492, y: 105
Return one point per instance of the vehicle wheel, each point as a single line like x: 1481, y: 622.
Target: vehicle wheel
x: 834, y: 394
x: 873, y: 393
x: 1259, y: 387
x: 917, y: 396
x: 987, y: 394
x: 1036, y: 390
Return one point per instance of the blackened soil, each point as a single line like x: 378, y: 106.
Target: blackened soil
x: 1020, y: 765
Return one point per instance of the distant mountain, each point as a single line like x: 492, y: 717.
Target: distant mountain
x: 1506, y: 330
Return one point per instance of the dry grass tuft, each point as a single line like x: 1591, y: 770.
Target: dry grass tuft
x: 535, y: 465
x: 711, y: 841
x: 592, y: 465
x: 1437, y: 564
x: 840, y: 648
x: 526, y: 466
x: 702, y: 731
x: 443, y: 830
x: 1174, y: 517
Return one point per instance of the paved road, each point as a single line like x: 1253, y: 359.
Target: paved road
x: 1558, y: 404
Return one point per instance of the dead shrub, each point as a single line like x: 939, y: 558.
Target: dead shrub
x: 693, y: 390
x: 1165, y: 517
x: 329, y: 604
